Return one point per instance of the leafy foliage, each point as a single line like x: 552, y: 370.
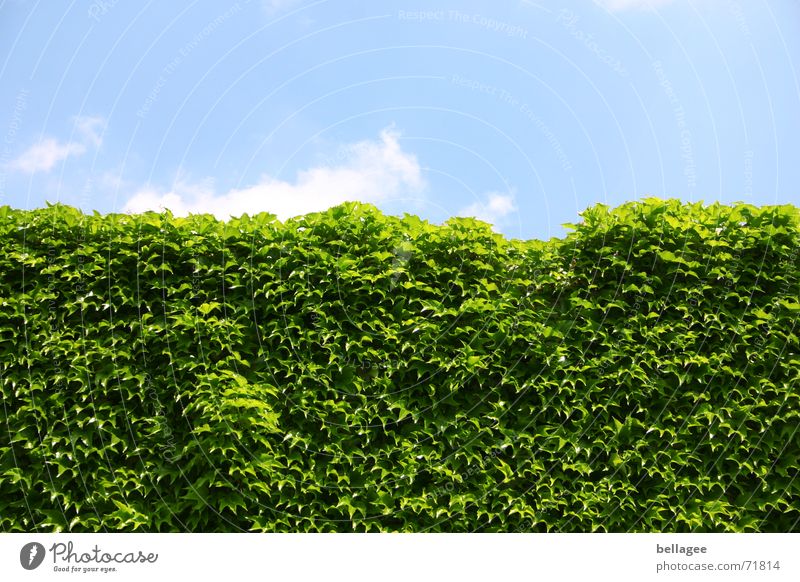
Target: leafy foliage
x: 350, y: 371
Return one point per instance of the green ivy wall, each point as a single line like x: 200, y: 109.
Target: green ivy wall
x: 350, y: 371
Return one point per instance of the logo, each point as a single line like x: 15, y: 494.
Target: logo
x: 31, y: 555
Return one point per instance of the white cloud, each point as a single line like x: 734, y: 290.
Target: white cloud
x: 619, y: 5
x: 47, y: 152
x: 367, y: 171
x: 497, y: 207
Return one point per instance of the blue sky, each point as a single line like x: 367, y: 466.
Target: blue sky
x: 520, y: 113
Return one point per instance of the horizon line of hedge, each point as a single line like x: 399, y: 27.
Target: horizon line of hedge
x: 352, y: 371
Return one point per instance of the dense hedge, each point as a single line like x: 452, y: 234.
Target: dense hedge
x: 348, y: 371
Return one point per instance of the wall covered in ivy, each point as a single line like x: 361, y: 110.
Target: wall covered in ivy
x: 350, y: 371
